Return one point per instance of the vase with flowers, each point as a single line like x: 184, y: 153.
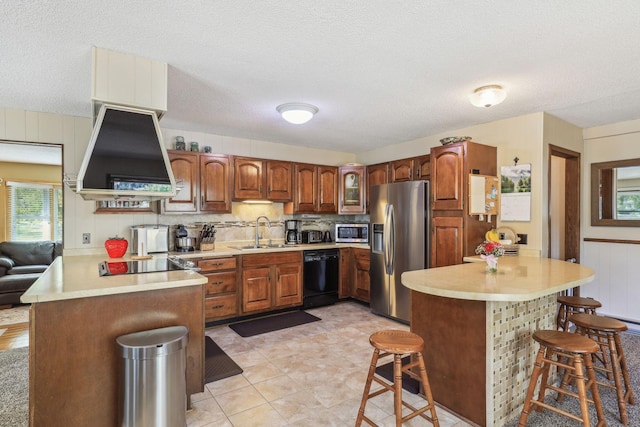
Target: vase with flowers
x: 490, y: 251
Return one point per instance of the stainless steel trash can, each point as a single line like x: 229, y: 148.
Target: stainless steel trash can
x: 153, y: 378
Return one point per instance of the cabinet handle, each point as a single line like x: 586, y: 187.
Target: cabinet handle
x: 418, y: 172
x: 201, y: 200
x: 217, y: 283
x: 194, y: 200
x: 278, y: 276
x: 215, y: 307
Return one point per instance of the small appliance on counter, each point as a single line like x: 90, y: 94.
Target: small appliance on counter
x: 150, y: 238
x: 312, y: 236
x: 292, y: 235
x: 184, y: 243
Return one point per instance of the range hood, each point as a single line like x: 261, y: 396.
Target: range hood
x: 126, y: 157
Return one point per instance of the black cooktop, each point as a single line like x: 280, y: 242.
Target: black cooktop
x: 154, y: 265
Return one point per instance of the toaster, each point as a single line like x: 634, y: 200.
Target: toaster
x: 311, y: 236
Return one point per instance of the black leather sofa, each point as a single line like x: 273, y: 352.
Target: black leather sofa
x: 21, y: 263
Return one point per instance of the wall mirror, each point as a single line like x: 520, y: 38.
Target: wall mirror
x: 615, y: 193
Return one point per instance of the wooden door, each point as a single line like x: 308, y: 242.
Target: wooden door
x: 401, y: 170
x: 306, y: 188
x: 346, y: 273
x: 184, y: 165
x: 256, y: 289
x: 249, y: 178
x: 351, y: 190
x: 279, y: 181
x: 447, y: 245
x: 288, y: 284
x: 327, y: 201
x: 361, y: 285
x: 215, y: 183
x: 376, y: 175
x: 422, y: 167
x: 447, y: 169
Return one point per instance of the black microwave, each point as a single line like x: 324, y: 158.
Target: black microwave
x: 352, y: 233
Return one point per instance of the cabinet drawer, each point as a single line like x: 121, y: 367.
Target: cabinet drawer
x: 217, y: 264
x: 220, y: 306
x: 218, y: 283
x: 259, y: 260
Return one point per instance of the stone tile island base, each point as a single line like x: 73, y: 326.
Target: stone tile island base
x: 479, y: 354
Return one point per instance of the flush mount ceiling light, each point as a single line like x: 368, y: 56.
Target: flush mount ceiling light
x: 488, y: 96
x: 297, y: 113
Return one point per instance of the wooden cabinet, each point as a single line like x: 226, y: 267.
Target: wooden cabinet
x: 257, y: 179
x: 361, y: 279
x: 272, y: 280
x: 205, y: 180
x: 125, y: 79
x: 422, y: 167
x: 411, y: 169
x: 376, y: 174
x: 221, y: 296
x: 454, y: 233
x: 315, y: 189
x: 352, y: 190
x: 346, y: 273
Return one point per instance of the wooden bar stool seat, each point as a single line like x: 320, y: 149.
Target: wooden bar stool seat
x: 570, y: 305
x: 398, y: 343
x: 606, y: 332
x: 573, y: 353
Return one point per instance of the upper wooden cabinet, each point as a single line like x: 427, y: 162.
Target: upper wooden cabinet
x: 122, y: 78
x: 257, y: 179
x: 376, y: 175
x: 352, y: 190
x: 411, y: 169
x: 422, y: 167
x: 447, y: 177
x: 205, y: 180
x: 315, y: 188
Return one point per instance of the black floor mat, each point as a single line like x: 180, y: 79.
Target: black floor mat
x: 273, y: 323
x: 409, y: 384
x: 217, y: 365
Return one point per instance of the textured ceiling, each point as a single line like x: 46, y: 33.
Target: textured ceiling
x: 380, y: 71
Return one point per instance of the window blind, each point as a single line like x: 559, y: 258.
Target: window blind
x: 34, y: 211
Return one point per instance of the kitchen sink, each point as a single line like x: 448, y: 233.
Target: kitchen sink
x: 275, y: 246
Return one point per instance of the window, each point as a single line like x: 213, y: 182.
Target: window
x: 34, y: 211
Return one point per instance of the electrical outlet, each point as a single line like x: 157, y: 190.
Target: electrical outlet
x: 523, y: 239
x: 86, y: 238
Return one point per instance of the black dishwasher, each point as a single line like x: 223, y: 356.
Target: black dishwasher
x: 321, y: 275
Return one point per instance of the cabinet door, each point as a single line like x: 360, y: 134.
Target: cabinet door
x: 306, y: 188
x: 376, y: 175
x: 352, y: 190
x: 185, y: 169
x: 362, y: 279
x: 327, y: 189
x: 279, y: 182
x: 249, y: 178
x: 422, y: 167
x: 288, y: 285
x: 215, y: 183
x: 446, y: 241
x: 346, y: 273
x: 401, y: 170
x: 447, y: 164
x: 256, y: 289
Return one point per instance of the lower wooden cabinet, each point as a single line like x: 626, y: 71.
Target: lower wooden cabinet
x: 221, y: 289
x: 361, y: 280
x: 270, y: 281
x: 346, y: 273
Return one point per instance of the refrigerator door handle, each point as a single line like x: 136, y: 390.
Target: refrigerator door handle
x: 392, y: 240
x: 386, y: 237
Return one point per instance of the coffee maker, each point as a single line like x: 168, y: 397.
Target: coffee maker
x: 292, y: 235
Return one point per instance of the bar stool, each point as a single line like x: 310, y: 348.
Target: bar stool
x: 577, y: 350
x: 398, y: 343
x: 606, y: 332
x: 572, y: 305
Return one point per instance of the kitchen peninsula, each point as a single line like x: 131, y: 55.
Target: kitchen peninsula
x: 75, y: 318
x: 477, y: 329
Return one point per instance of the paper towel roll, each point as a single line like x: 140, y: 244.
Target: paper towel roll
x: 142, y: 241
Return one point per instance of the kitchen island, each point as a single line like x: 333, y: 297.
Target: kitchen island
x: 75, y: 317
x: 477, y: 329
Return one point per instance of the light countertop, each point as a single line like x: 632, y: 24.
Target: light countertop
x: 70, y: 277
x: 518, y: 278
x: 227, y: 249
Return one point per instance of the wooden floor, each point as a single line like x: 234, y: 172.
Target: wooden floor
x: 14, y: 336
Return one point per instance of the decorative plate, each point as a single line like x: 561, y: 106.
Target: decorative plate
x: 452, y: 139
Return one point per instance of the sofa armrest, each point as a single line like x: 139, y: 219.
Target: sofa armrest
x: 6, y: 262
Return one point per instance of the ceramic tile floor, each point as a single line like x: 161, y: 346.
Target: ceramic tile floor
x: 309, y: 375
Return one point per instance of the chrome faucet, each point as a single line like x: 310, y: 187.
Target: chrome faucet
x: 257, y: 243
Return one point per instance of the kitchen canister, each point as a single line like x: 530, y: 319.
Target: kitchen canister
x: 180, y: 143
x: 194, y: 146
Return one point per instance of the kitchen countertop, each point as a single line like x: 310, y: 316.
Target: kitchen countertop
x: 518, y: 279
x: 226, y: 249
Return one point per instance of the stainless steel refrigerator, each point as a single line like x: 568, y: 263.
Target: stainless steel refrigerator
x: 399, y: 215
